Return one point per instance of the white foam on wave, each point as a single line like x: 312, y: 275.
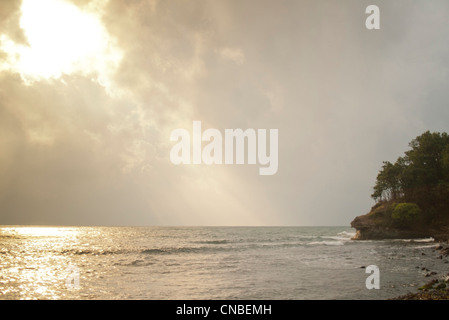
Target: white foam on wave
x: 341, y: 236
x: 425, y: 246
x: 425, y: 240
x: 345, y: 234
x: 327, y: 243
x: 415, y: 240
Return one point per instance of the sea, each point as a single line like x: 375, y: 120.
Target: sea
x: 222, y: 263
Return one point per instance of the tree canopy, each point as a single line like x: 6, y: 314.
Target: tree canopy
x: 421, y: 176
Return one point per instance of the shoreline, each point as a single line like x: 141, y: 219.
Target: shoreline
x: 435, y: 289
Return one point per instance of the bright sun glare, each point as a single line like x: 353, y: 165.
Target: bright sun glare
x: 38, y: 231
x: 62, y: 39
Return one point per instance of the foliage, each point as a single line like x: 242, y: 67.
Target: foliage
x: 381, y: 213
x: 421, y: 176
x: 405, y: 214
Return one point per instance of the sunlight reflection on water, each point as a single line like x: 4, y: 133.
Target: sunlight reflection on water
x: 204, y: 263
x: 31, y: 265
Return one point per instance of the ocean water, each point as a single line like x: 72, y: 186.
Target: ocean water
x: 207, y: 263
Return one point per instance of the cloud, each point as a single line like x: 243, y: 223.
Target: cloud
x: 77, y: 151
x: 234, y: 55
x: 9, y: 20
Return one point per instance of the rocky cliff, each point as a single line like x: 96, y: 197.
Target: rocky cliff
x: 371, y: 226
x: 368, y: 228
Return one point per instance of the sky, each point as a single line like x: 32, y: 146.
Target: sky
x: 91, y: 90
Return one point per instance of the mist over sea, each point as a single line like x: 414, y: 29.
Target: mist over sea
x: 207, y: 263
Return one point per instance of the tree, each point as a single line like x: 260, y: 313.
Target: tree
x: 388, y: 184
x: 425, y: 159
x: 421, y: 176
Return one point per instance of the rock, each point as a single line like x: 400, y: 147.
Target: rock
x: 436, y: 289
x: 429, y: 285
x: 440, y: 286
x: 367, y: 228
x: 440, y: 257
x: 439, y: 247
x: 376, y: 225
x: 362, y: 267
x: 445, y: 251
x: 423, y: 254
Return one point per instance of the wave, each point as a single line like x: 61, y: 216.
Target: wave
x: 345, y: 234
x: 140, y: 263
x: 213, y: 242
x: 88, y: 252
x: 415, y: 240
x: 327, y: 243
x: 207, y: 249
x: 177, y: 250
x: 425, y: 246
x: 339, y: 239
x: 424, y: 240
x: 151, y: 251
x: 210, y: 246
